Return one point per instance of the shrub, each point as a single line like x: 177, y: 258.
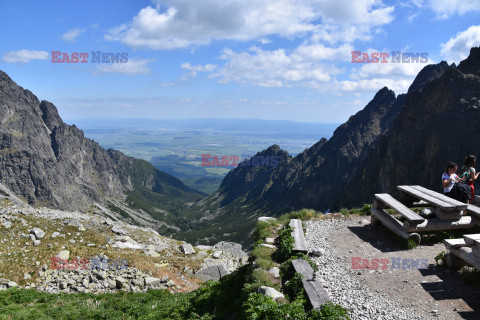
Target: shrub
x: 285, y: 243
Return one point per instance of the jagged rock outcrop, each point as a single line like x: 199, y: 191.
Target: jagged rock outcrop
x: 437, y: 124
x: 50, y: 163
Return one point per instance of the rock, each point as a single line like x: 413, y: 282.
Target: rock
x: 26, y: 276
x: 120, y: 282
x: 268, y: 245
x: 426, y: 212
x: 270, y: 292
x: 266, y: 219
x: 270, y: 240
x: 318, y: 252
x: 187, y: 249
x: 81, y: 228
x: 214, y: 273
x: 38, y: 233
x: 117, y: 228
x: 36, y: 242
x: 217, y: 254
x: 165, y: 279
x: 7, y: 225
x: 151, y: 281
x: 101, y: 275
x: 64, y: 254
x: 275, y: 271
x: 170, y: 284
x: 55, y: 234
x: 72, y: 241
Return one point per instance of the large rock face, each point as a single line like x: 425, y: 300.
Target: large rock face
x: 50, y: 163
x: 437, y: 124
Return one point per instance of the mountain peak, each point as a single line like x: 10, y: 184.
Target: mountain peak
x: 471, y: 65
x: 429, y: 73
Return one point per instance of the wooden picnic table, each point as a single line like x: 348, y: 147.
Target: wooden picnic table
x: 448, y: 212
x: 446, y: 207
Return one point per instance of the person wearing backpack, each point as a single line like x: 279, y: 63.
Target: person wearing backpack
x: 449, y: 178
x: 469, y: 176
x: 453, y: 185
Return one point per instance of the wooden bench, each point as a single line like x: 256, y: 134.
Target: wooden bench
x: 463, y: 251
x: 316, y: 293
x: 390, y: 202
x: 300, y: 244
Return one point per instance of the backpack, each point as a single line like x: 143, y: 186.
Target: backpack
x: 460, y: 192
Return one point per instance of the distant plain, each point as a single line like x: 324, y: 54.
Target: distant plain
x: 176, y: 145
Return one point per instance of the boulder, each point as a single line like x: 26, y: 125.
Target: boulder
x: 270, y: 292
x: 187, y: 248
x: 266, y: 219
x: 214, y: 273
x: 151, y: 281
x: 38, y: 233
x: 117, y: 228
x: 275, y: 271
x: 318, y: 252
x: 64, y: 254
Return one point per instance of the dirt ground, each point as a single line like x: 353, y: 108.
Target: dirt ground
x: 435, y: 292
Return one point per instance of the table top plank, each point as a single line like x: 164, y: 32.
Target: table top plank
x: 428, y: 198
x: 441, y: 196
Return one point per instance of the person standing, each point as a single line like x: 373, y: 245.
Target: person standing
x: 469, y: 176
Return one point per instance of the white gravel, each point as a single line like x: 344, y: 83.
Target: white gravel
x: 341, y: 282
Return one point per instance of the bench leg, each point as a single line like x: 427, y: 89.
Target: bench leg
x: 374, y: 221
x: 452, y: 261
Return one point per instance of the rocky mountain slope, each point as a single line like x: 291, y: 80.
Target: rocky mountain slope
x: 49, y: 163
x: 437, y: 124
x: 333, y: 173
x: 67, y: 251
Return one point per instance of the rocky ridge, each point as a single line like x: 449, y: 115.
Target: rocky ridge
x: 60, y: 251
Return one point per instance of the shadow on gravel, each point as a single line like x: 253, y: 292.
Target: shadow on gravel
x: 452, y: 288
x: 378, y: 237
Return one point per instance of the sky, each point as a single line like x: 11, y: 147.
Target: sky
x: 264, y: 59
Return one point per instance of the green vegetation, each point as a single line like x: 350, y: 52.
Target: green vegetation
x: 235, y: 296
x: 470, y: 275
x: 440, y: 258
x: 364, y: 211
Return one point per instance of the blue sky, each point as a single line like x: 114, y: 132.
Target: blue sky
x: 267, y: 59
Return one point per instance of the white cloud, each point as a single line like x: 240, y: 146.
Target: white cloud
x: 277, y: 68
x: 374, y: 85
x: 132, y: 67
x: 174, y: 24
x: 195, y: 69
x: 389, y: 70
x: 458, y: 47
x: 71, y: 35
x: 447, y: 8
x: 25, y: 56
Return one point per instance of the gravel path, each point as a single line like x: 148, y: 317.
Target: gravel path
x: 342, y: 283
